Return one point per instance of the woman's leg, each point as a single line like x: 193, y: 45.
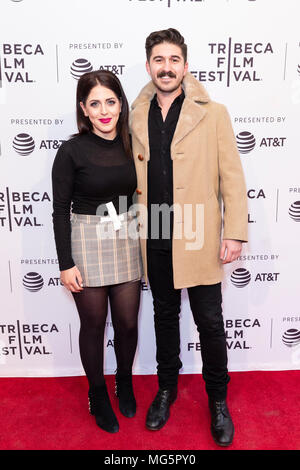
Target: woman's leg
x: 124, y: 302
x: 92, y: 308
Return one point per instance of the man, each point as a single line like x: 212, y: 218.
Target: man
x: 186, y: 159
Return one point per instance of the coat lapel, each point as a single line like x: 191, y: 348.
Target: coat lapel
x: 191, y: 114
x: 139, y: 125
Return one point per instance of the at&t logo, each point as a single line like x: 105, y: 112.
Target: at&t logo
x: 24, y: 144
x: 241, y: 277
x: 294, y: 211
x: 82, y: 66
x: 79, y: 67
x: 246, y: 142
x: 291, y: 338
x: 34, y: 282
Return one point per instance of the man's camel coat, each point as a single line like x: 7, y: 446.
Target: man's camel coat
x: 206, y: 172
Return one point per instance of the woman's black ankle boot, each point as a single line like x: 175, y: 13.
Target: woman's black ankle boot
x: 100, y: 407
x: 124, y: 392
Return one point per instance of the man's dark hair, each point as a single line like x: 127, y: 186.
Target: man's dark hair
x: 170, y: 35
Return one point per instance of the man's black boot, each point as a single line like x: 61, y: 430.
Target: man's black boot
x: 222, y: 428
x: 159, y: 411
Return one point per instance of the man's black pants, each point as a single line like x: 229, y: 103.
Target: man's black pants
x: 205, y: 302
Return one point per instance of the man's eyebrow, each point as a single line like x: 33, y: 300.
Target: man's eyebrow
x: 173, y: 56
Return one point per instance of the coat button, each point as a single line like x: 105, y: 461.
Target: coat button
x: 140, y: 157
x: 138, y: 191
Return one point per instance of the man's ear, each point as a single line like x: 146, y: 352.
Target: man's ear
x: 148, y: 67
x: 186, y: 68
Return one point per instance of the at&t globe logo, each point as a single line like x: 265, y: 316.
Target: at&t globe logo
x: 33, y: 281
x: 79, y: 67
x: 240, y: 277
x: 23, y: 144
x: 291, y: 337
x: 294, y: 211
x: 245, y: 142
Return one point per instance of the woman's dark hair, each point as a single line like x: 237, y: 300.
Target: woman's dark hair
x: 170, y: 35
x: 109, y: 80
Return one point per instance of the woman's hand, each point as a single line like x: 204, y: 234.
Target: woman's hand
x: 71, y: 279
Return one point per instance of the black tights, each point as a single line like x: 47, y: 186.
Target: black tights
x: 92, y: 305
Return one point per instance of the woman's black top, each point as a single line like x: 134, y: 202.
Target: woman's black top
x: 88, y: 171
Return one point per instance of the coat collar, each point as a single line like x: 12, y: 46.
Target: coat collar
x: 193, y: 89
x: 191, y: 112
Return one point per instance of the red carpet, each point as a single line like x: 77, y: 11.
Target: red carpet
x: 52, y: 413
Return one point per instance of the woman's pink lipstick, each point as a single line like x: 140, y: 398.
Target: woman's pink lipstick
x: 105, y: 121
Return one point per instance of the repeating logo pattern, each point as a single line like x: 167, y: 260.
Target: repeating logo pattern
x: 250, y: 62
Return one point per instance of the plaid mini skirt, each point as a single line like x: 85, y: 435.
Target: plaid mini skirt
x: 103, y: 255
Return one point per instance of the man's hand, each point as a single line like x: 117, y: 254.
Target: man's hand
x: 71, y: 279
x: 230, y: 250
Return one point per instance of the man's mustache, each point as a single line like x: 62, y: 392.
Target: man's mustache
x: 163, y: 73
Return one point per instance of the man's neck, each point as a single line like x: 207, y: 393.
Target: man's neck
x: 166, y: 99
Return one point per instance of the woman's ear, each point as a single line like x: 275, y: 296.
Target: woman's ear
x: 83, y: 108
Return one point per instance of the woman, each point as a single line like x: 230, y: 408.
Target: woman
x: 98, y: 249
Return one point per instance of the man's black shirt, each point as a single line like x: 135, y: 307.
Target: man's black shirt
x: 160, y: 170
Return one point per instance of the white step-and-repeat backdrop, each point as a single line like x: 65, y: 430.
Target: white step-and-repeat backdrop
x: 247, y: 54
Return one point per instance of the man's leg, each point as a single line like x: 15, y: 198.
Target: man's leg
x: 206, y: 305
x: 166, y: 302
